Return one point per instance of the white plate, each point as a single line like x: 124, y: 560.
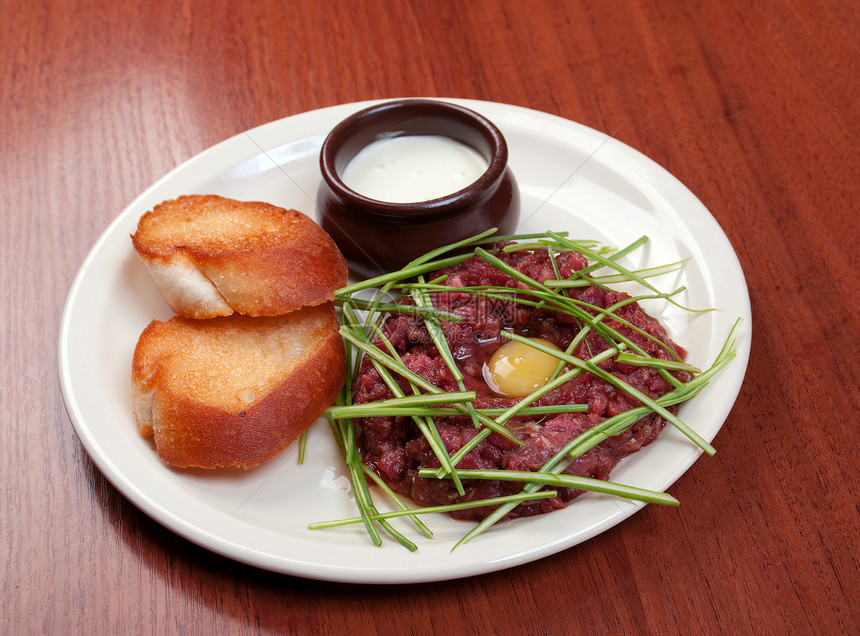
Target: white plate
x: 572, y: 178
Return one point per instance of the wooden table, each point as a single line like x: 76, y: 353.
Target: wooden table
x: 752, y: 105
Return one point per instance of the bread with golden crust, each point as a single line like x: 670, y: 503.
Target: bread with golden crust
x: 235, y: 390
x: 212, y: 256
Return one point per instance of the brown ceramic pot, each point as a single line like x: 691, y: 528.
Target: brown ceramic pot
x: 379, y: 236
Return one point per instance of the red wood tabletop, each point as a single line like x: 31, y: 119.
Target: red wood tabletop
x: 753, y: 105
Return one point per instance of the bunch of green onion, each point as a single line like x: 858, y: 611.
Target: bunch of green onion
x: 361, y: 321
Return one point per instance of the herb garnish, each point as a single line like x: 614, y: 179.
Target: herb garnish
x: 361, y: 321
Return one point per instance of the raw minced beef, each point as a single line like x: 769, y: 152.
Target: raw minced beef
x: 396, y: 449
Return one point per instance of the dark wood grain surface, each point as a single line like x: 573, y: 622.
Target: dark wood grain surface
x: 752, y: 104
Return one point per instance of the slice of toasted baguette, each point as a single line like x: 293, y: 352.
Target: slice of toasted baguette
x: 236, y: 390
x: 211, y: 256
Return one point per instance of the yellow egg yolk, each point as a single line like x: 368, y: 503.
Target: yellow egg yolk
x: 516, y: 369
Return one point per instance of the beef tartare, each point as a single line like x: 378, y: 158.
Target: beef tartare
x: 395, y: 448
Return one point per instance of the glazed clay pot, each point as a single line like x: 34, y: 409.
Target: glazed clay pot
x: 378, y: 236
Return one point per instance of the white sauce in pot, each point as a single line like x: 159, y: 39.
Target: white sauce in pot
x: 413, y: 168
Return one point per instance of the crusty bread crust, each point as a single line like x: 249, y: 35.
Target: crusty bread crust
x: 237, y: 390
x: 211, y: 256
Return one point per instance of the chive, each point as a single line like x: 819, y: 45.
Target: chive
x: 396, y: 308
x: 359, y: 486
x: 372, y: 409
x: 400, y: 274
x: 349, y: 316
x: 361, y: 494
x: 303, y: 444
x: 423, y: 399
x: 494, y: 501
x: 397, y: 501
x: 647, y: 361
x: 565, y: 481
x: 649, y: 272
x: 368, y: 512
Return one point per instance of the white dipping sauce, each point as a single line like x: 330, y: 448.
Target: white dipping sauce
x: 413, y: 168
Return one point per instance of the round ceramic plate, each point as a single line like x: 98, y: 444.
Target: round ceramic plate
x: 572, y: 178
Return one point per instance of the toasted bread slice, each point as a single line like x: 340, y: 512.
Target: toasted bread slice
x: 211, y: 256
x: 236, y: 390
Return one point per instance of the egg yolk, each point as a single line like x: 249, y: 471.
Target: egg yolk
x: 516, y: 369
